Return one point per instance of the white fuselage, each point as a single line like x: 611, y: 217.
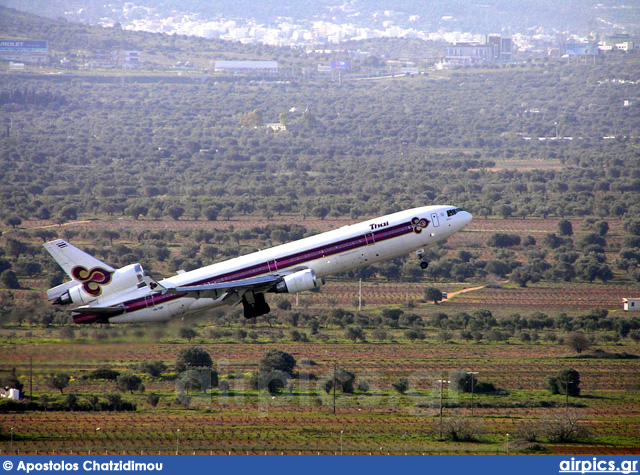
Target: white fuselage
x: 343, y: 249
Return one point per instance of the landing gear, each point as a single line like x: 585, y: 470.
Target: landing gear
x: 424, y: 263
x: 254, y: 305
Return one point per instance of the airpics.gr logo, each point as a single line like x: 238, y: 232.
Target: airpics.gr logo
x: 92, y: 280
x: 419, y: 224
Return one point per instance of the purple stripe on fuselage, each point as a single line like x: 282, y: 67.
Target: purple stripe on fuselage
x: 299, y: 258
x: 88, y: 318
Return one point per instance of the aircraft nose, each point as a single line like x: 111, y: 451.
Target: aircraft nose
x: 466, y: 218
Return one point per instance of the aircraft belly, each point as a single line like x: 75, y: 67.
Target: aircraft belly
x: 157, y: 313
x: 203, y: 304
x: 143, y: 315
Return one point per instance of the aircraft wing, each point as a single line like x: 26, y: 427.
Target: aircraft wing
x: 255, y: 284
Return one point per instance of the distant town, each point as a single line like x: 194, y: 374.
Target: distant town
x: 489, y: 50
x: 328, y: 45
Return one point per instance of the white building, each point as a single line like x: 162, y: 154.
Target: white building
x: 265, y: 68
x: 10, y: 393
x: 631, y: 305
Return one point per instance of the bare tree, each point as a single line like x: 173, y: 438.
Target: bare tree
x: 462, y: 429
x: 563, y: 428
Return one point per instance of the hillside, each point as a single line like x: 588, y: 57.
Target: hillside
x: 68, y: 38
x: 573, y: 16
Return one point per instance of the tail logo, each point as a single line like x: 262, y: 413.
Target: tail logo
x: 92, y: 280
x: 419, y: 224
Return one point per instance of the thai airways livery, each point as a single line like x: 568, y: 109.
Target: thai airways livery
x: 98, y: 293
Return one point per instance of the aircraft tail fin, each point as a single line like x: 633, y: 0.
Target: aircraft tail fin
x: 70, y: 257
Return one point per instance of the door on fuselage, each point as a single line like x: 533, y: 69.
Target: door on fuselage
x: 435, y: 220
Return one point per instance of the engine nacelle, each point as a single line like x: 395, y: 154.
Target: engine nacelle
x: 298, y: 282
x: 97, y: 283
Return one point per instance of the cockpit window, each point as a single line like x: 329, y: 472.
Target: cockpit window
x: 453, y: 212
x: 139, y: 272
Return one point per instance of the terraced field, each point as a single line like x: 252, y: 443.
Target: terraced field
x: 301, y: 420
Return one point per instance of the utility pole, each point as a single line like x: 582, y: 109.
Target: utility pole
x: 473, y: 377
x: 360, y: 295
x: 335, y: 366
x: 442, y: 383
x: 177, y: 441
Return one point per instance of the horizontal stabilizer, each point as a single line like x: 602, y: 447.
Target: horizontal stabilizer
x: 54, y: 293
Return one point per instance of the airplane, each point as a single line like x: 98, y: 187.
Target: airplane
x: 99, y: 293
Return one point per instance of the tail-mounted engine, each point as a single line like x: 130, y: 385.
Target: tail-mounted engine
x: 298, y: 282
x: 89, y: 285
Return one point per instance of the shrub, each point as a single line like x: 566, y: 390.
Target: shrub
x: 495, y: 335
x: 273, y: 381
x: 116, y: 403
x: 565, y: 428
x: 381, y: 335
x: 9, y: 280
x: 462, y: 381
x: 433, y: 294
x: 461, y: 429
x: 414, y: 334
x: 401, y: 385
x: 153, y: 368
x: 503, y: 240
x: 578, y: 341
x: 197, y: 379
x: 483, y: 388
x: 193, y: 357
x: 187, y: 333
x: 104, y: 372
x: 565, y: 380
x: 278, y: 360
x: 444, y: 336
x: 240, y: 334
x: 71, y: 402
x: 565, y: 227
x: 354, y: 333
x: 58, y: 381
x: 153, y: 399
x: 129, y: 382
x: 344, y: 381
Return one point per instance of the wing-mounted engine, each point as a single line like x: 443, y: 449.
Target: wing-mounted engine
x: 97, y: 283
x: 298, y: 282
